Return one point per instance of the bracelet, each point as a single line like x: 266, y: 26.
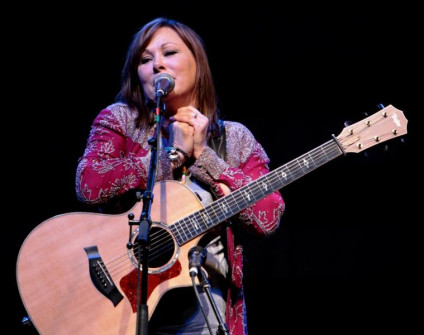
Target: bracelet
x: 183, y: 152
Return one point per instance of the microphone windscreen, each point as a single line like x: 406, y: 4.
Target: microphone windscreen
x: 164, y: 83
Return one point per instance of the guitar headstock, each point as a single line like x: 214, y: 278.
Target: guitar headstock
x: 382, y: 126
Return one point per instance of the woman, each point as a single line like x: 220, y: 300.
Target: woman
x: 210, y: 156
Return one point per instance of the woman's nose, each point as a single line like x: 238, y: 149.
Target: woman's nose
x: 158, y: 64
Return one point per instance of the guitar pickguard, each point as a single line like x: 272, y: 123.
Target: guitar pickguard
x: 128, y: 283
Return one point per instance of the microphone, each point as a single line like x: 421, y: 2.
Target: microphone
x: 196, y: 258
x: 164, y: 83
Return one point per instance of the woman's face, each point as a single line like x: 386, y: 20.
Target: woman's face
x: 167, y: 53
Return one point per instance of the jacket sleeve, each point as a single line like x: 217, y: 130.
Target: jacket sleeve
x: 264, y: 216
x: 114, y: 162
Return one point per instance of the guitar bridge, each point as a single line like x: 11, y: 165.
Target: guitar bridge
x: 100, y: 276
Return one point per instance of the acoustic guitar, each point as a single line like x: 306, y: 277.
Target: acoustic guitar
x: 75, y: 274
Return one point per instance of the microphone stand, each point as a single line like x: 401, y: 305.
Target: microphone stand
x: 222, y: 328
x: 145, y: 223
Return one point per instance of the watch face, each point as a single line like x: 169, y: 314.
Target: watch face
x: 174, y: 158
x: 172, y: 154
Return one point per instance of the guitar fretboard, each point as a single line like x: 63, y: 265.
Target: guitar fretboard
x: 222, y: 209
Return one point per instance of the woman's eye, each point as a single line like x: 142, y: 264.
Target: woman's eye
x: 170, y: 53
x: 144, y: 60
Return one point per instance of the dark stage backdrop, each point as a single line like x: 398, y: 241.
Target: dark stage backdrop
x: 345, y: 254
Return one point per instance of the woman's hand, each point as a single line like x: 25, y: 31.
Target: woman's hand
x: 188, y: 130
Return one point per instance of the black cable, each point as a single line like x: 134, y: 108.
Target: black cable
x: 200, y: 304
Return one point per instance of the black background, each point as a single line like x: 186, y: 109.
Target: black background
x: 346, y: 253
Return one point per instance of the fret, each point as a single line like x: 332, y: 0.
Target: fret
x: 245, y: 196
x: 236, y: 199
x: 176, y: 232
x: 193, y: 222
x: 264, y: 187
x: 324, y: 151
x: 217, y: 209
x: 270, y: 187
x: 284, y: 175
x: 335, y: 151
x: 196, y: 225
x: 305, y: 164
x: 224, y: 207
x: 322, y: 157
x: 213, y: 215
x: 312, y: 160
x: 205, y: 218
x: 296, y: 171
x: 257, y: 190
x: 275, y: 180
x: 184, y: 227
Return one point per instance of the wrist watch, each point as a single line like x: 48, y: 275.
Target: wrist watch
x: 173, y: 155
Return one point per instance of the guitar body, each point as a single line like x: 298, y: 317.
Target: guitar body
x: 53, y: 270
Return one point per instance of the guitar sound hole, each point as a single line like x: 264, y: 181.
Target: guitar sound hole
x: 162, y: 247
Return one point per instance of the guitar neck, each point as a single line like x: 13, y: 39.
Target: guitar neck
x: 222, y: 209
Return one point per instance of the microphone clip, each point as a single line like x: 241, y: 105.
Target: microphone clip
x: 196, y: 258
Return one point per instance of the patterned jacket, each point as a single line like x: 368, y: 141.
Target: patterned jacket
x: 117, y: 158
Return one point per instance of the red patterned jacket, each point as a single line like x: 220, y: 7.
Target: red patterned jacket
x: 116, y: 160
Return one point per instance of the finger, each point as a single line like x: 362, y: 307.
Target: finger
x: 189, y: 118
x: 182, y: 127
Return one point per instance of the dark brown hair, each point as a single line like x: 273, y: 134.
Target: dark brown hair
x: 131, y: 91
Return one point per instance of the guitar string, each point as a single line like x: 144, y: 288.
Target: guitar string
x: 311, y: 154
x: 155, y: 242
x: 356, y: 128
x: 158, y: 247
x: 160, y: 239
x: 162, y: 246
